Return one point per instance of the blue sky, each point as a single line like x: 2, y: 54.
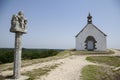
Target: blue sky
x: 54, y: 23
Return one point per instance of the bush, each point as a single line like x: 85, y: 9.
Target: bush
x: 33, y: 54
x: 7, y: 55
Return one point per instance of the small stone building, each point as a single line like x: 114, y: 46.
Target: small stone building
x: 91, y: 38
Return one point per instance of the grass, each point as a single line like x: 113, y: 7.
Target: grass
x: 7, y: 54
x: 109, y: 60
x: 36, y: 73
x: 60, y: 55
x: 93, y: 72
x: 84, y: 52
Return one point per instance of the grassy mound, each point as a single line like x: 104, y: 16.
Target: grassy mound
x: 109, y: 60
x: 85, y: 52
x: 93, y: 72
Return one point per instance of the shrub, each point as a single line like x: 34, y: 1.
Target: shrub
x: 7, y: 55
x: 33, y: 54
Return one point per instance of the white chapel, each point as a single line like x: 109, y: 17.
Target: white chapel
x: 91, y: 38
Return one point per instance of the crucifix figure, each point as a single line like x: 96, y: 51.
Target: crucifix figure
x: 18, y: 26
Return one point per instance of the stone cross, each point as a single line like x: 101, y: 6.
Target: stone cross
x: 18, y: 26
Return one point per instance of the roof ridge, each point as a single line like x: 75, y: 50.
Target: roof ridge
x: 93, y: 26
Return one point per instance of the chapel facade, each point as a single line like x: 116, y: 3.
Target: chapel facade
x: 91, y: 38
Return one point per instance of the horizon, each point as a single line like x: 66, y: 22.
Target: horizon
x: 54, y: 24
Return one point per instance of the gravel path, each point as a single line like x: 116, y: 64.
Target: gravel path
x: 69, y: 70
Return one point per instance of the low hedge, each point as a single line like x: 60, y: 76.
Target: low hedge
x: 7, y: 55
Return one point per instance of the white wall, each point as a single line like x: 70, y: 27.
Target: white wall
x: 90, y: 30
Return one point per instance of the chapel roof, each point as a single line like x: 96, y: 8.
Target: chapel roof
x: 89, y: 22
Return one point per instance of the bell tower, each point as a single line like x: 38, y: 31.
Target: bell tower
x: 89, y: 21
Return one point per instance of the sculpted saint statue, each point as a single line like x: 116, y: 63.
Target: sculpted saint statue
x: 18, y: 23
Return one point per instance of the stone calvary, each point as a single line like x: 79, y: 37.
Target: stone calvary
x: 18, y: 26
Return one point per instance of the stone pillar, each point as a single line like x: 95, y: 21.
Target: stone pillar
x: 18, y: 26
x: 17, y: 55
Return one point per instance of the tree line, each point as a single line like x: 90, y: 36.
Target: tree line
x: 7, y: 54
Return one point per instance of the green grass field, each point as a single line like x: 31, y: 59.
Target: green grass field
x: 93, y: 72
x: 109, y: 60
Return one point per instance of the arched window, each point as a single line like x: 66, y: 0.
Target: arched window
x: 90, y: 43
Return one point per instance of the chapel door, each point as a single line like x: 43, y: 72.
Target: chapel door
x: 90, y: 45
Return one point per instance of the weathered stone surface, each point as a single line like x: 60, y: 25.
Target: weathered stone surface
x: 18, y: 26
x: 18, y: 23
x: 17, y: 55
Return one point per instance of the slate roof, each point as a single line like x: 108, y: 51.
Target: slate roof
x: 93, y: 26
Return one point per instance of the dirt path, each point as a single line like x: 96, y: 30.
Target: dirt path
x: 117, y: 53
x: 69, y: 69
x: 72, y: 67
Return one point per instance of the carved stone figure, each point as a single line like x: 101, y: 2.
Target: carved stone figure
x: 18, y: 23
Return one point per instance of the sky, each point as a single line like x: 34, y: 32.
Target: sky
x: 54, y: 24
